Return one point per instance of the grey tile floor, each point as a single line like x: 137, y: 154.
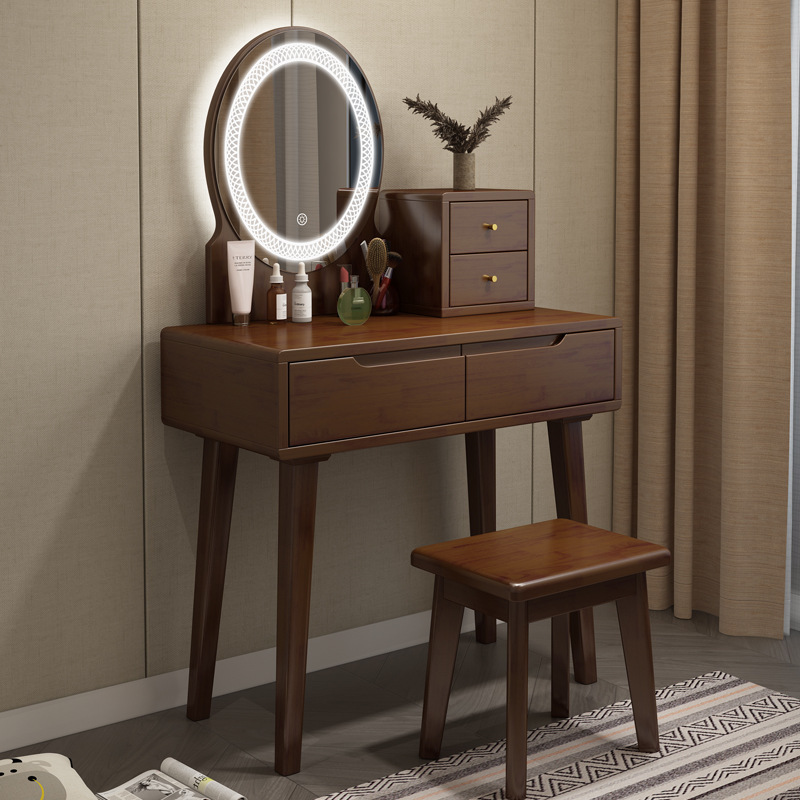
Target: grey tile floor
x: 362, y: 719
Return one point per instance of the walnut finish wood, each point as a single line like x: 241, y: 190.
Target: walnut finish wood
x: 569, y: 482
x: 221, y: 395
x: 232, y: 386
x: 634, y: 625
x: 429, y: 225
x: 365, y: 396
x: 559, y: 666
x: 576, y: 370
x: 516, y: 701
x: 327, y: 337
x: 296, y: 517
x: 469, y: 220
x: 482, y: 494
x: 531, y: 572
x: 540, y: 559
x: 471, y: 277
x: 216, y: 505
x: 446, y: 619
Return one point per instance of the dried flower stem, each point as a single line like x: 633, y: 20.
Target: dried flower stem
x: 457, y: 137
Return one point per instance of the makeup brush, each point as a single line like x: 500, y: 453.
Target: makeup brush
x: 392, y: 262
x: 376, y: 263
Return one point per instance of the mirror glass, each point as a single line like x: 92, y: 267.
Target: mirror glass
x: 297, y: 147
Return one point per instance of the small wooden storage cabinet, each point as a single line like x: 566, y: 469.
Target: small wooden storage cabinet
x: 464, y: 252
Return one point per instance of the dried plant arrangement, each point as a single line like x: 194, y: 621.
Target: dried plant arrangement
x: 458, y: 138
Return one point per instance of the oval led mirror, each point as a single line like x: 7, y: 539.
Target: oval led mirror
x: 294, y: 155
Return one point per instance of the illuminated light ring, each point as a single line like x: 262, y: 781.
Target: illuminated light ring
x: 258, y: 229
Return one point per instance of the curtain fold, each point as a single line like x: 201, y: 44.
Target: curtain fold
x: 703, y: 285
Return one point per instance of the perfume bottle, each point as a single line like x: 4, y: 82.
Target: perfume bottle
x: 354, y: 305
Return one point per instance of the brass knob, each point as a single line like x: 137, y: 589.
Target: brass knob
x: 492, y: 226
x: 492, y: 278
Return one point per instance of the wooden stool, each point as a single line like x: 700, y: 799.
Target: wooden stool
x: 526, y: 574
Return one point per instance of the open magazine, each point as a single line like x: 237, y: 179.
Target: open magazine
x: 51, y: 776
x: 174, y: 781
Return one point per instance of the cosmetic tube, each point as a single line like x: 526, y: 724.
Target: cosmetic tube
x: 241, y: 269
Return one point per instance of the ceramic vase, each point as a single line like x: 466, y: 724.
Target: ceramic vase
x: 463, y: 170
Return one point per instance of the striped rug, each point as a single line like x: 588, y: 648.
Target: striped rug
x: 721, y: 737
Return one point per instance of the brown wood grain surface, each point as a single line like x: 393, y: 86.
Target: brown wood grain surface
x: 429, y: 226
x: 555, y: 556
x: 525, y: 574
x: 487, y: 227
x: 361, y: 399
x: 578, y: 369
x: 327, y: 337
x: 298, y: 393
x: 471, y: 278
x: 259, y: 387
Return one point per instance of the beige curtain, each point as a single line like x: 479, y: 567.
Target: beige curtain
x: 703, y: 285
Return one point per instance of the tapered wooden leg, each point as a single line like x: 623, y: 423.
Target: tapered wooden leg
x: 559, y: 666
x: 216, y: 504
x: 442, y: 648
x: 634, y: 626
x: 482, y: 493
x: 297, y: 509
x: 569, y: 482
x: 517, y: 701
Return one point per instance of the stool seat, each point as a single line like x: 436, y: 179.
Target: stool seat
x: 532, y: 572
x: 541, y: 559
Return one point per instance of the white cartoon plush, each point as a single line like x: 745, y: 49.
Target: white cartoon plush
x: 30, y: 780
x: 45, y: 776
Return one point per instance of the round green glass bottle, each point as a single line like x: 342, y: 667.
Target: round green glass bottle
x: 354, y: 305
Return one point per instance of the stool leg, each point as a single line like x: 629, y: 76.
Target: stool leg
x: 634, y: 626
x: 517, y: 701
x: 559, y: 666
x: 442, y: 648
x: 584, y: 658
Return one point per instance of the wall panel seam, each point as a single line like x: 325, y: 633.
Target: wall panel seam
x: 142, y: 376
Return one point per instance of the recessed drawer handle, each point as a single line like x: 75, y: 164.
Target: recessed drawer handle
x: 408, y: 356
x: 492, y: 278
x: 492, y: 226
x: 509, y: 345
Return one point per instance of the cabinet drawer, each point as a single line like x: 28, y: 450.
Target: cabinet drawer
x: 344, y: 398
x: 518, y: 376
x: 469, y: 232
x: 471, y: 278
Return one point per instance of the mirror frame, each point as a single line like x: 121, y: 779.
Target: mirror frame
x: 359, y: 225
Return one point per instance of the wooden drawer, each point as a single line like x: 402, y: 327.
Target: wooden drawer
x: 521, y: 375
x: 434, y: 228
x: 471, y: 278
x: 343, y: 398
x: 471, y: 226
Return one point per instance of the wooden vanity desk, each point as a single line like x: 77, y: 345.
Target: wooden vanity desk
x: 301, y: 393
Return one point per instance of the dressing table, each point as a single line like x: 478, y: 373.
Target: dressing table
x: 300, y: 394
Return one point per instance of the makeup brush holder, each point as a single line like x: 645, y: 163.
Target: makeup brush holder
x: 388, y: 304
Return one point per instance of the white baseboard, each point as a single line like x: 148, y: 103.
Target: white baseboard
x: 21, y: 727
x: 794, y: 614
